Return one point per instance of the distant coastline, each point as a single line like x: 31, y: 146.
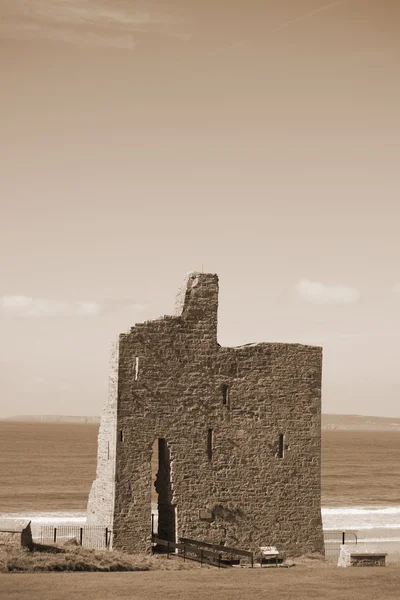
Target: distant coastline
x: 52, y: 419
x: 330, y: 422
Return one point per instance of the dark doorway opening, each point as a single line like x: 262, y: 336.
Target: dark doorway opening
x: 163, y: 511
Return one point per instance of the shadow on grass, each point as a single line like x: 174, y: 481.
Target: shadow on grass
x: 47, y: 548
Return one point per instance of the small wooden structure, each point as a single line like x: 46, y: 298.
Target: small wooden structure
x: 16, y: 533
x: 360, y: 555
x: 268, y: 554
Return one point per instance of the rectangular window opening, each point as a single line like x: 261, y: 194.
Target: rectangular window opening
x: 121, y: 436
x: 225, y: 395
x: 281, y: 447
x: 136, y: 368
x: 210, y: 441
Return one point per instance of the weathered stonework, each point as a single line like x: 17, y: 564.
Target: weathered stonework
x: 16, y: 534
x: 242, y: 431
x: 361, y: 555
x: 100, y: 510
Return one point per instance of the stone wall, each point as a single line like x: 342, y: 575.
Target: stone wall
x: 10, y: 538
x: 360, y: 555
x: 227, y: 415
x: 100, y: 510
x: 26, y: 537
x: 17, y: 536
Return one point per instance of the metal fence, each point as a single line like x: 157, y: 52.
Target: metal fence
x: 100, y: 538
x: 94, y: 537
x: 334, y: 539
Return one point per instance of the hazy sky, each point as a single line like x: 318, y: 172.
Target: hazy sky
x: 143, y: 140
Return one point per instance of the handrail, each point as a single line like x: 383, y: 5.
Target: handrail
x: 214, y: 555
x: 219, y: 548
x: 344, y: 533
x: 352, y: 533
x: 189, y: 549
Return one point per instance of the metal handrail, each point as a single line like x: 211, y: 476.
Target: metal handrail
x: 344, y: 533
x: 218, y: 547
x: 214, y: 555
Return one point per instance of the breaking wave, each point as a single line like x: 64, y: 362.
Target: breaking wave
x: 362, y: 510
x: 361, y: 517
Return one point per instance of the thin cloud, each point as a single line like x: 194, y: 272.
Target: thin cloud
x: 308, y: 15
x: 319, y: 293
x: 25, y: 306
x: 282, y: 26
x: 119, y: 305
x: 89, y: 22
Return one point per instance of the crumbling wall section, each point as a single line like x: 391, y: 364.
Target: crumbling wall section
x: 100, y: 509
x: 26, y: 537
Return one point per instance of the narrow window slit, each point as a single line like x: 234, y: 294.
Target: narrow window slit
x: 281, y: 446
x: 136, y: 368
x: 210, y: 440
x: 225, y: 394
x: 121, y: 436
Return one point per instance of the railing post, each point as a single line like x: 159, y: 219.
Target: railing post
x: 55, y: 534
x: 201, y: 558
x: 252, y: 560
x: 219, y: 560
x: 343, y: 537
x: 81, y: 536
x: 106, y: 537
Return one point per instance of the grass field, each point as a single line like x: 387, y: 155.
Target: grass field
x: 297, y: 583
x: 71, y: 557
x: 47, y: 466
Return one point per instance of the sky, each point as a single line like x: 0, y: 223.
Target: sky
x: 140, y: 141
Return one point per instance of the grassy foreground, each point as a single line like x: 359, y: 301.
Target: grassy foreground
x: 52, y: 572
x: 70, y: 557
x: 298, y: 583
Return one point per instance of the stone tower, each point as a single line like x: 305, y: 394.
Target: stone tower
x: 238, y: 432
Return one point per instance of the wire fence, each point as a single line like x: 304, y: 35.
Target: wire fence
x: 94, y: 537
x: 334, y: 539
x: 100, y: 538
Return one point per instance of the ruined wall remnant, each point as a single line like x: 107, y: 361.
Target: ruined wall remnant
x: 17, y: 533
x: 100, y: 510
x: 239, y: 433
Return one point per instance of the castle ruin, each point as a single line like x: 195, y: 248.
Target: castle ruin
x: 237, y: 433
